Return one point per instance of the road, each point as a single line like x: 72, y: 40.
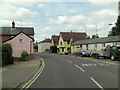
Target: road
x: 72, y: 72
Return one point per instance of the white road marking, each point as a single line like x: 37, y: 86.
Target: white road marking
x: 111, y: 63
x: 68, y: 61
x: 97, y: 83
x: 79, y: 68
x: 4, y: 69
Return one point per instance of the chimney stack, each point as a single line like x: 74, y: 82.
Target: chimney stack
x: 13, y: 24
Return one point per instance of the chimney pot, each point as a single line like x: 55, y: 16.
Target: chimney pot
x: 13, y: 24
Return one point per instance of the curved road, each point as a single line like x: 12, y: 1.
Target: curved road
x: 71, y: 72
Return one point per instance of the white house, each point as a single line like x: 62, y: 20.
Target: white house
x: 43, y: 45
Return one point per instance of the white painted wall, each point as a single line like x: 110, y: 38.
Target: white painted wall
x: 43, y: 46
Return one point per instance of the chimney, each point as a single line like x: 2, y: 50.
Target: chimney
x: 13, y: 24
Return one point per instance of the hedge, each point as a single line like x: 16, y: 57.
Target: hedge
x: 7, y: 54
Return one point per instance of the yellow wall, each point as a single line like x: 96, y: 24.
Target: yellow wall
x: 64, y: 44
x: 73, y: 48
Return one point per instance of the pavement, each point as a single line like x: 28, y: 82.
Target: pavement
x: 62, y: 71
x: 18, y: 73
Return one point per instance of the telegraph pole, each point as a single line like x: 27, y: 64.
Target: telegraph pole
x: 96, y: 29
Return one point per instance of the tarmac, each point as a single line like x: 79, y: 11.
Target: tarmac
x: 16, y: 74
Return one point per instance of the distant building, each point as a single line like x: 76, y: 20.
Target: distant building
x: 67, y: 38
x: 9, y: 32
x: 43, y: 45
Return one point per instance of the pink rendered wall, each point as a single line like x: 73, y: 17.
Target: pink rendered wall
x: 52, y: 42
x: 18, y: 46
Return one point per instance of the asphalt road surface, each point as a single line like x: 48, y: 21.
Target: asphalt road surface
x: 72, y: 72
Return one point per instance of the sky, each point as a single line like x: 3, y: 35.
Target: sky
x: 49, y: 17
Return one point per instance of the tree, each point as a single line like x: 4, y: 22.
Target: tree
x: 116, y: 29
x: 53, y: 49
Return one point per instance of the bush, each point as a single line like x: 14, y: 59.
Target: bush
x: 53, y: 49
x: 47, y: 50
x: 36, y: 47
x: 23, y: 55
x: 7, y: 54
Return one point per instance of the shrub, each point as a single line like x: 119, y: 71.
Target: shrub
x: 53, y: 49
x: 36, y: 47
x: 46, y: 49
x: 7, y: 54
x: 23, y: 55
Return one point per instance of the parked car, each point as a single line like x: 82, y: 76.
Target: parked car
x: 82, y: 52
x: 111, y: 51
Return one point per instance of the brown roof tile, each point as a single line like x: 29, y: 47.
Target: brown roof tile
x: 74, y: 35
x: 55, y: 38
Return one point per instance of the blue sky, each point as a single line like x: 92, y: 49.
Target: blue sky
x: 49, y: 18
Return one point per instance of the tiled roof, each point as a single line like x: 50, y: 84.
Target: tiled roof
x: 46, y: 40
x: 13, y: 31
x: 55, y: 38
x: 98, y: 40
x: 74, y: 35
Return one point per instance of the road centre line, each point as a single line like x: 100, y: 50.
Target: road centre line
x: 27, y: 85
x: 97, y: 83
x: 79, y: 68
x: 68, y: 61
x: 111, y: 63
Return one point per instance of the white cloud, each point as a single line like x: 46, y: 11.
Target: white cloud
x: 105, y: 14
x: 78, y: 19
x: 40, y: 5
x: 102, y: 2
x: 72, y: 11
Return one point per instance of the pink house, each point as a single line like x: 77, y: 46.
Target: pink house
x: 54, y: 40
x: 21, y: 42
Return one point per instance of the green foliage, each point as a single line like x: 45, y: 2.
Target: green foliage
x: 7, y: 54
x: 36, y: 47
x: 46, y: 49
x: 23, y: 55
x: 53, y: 49
x: 116, y: 29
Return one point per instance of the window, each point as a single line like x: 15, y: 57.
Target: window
x: 95, y: 45
x: 68, y: 42
x: 87, y: 46
x: 61, y: 43
x: 103, y: 44
x: 81, y: 46
x: 20, y: 40
x: 114, y: 43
